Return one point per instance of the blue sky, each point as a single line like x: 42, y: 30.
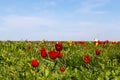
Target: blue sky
x: 59, y: 19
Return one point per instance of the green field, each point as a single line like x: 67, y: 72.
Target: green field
x: 75, y: 61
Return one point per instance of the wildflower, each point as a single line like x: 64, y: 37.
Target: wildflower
x: 53, y: 55
x: 114, y: 42
x: 106, y: 41
x: 34, y: 63
x: 58, y: 47
x: 70, y: 42
x: 96, y: 43
x: 99, y: 42
x: 43, y: 52
x: 97, y: 51
x: 86, y: 59
x: 82, y: 42
x: 62, y: 69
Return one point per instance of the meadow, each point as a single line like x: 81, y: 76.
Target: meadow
x: 59, y: 60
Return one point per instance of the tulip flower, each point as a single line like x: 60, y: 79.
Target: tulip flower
x: 114, y: 42
x: 58, y: 47
x: 86, y: 59
x: 53, y: 55
x: 106, y: 41
x: 34, y: 63
x: 43, y: 52
x: 97, y: 51
x: 62, y: 69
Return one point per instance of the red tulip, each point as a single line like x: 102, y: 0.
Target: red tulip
x: 97, y: 51
x: 99, y: 42
x: 34, y: 63
x: 114, y: 42
x: 53, y: 55
x: 58, y: 47
x: 86, y: 59
x: 43, y: 52
x: 62, y: 69
x: 60, y: 55
x: 82, y: 42
x: 106, y: 41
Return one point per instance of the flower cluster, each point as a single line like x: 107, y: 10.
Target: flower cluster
x: 57, y: 53
x: 87, y: 59
x: 52, y: 55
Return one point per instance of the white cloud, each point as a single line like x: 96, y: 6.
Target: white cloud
x: 80, y: 30
x: 28, y: 21
x: 83, y: 30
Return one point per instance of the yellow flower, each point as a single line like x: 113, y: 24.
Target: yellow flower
x: 96, y: 43
x: 70, y: 42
